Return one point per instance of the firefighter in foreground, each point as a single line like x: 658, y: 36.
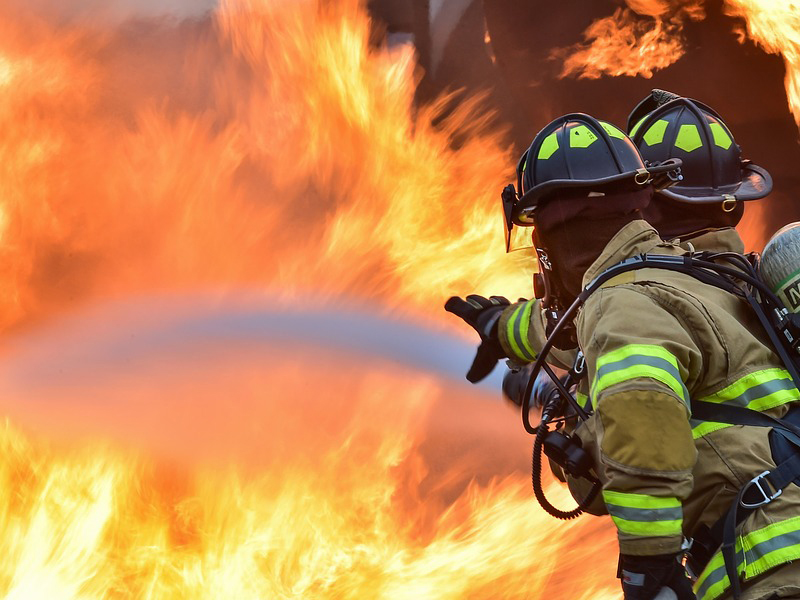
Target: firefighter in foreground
x: 699, y: 213
x: 654, y: 341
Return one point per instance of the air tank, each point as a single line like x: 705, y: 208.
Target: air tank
x: 780, y: 265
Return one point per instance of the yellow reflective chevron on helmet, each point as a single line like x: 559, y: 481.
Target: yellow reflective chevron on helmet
x: 548, y: 147
x: 636, y: 127
x: 581, y: 137
x: 721, y: 136
x: 612, y: 131
x: 655, y: 135
x: 688, y: 138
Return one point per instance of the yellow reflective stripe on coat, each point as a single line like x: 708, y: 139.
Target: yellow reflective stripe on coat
x: 583, y: 400
x: 636, y: 361
x: 759, y: 391
x: 643, y: 515
x: 764, y: 549
x: 517, y: 329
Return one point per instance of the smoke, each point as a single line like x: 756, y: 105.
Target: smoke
x: 113, y: 11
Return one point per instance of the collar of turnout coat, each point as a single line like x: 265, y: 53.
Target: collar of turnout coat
x: 637, y: 237
x: 714, y: 240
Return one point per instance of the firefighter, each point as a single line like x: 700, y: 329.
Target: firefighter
x: 701, y: 212
x: 654, y: 341
x: 703, y: 209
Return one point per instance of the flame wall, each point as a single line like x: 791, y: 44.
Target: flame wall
x: 269, y: 147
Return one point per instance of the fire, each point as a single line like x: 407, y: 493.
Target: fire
x: 775, y: 26
x: 627, y: 44
x: 268, y: 147
x: 647, y: 36
x: 274, y: 133
x: 348, y: 510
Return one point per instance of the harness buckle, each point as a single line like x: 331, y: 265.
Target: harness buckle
x: 763, y: 489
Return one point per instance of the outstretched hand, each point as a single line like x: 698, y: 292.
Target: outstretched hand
x: 482, y: 314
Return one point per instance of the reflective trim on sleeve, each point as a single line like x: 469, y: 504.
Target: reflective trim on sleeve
x: 643, y: 515
x: 759, y: 391
x: 636, y: 361
x: 764, y: 549
x: 583, y: 400
x: 517, y: 329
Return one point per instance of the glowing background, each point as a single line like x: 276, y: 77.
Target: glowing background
x: 195, y: 213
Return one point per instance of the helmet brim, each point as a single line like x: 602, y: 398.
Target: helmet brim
x: 756, y: 183
x: 522, y: 213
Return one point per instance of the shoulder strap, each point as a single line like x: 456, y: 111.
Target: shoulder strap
x: 736, y: 415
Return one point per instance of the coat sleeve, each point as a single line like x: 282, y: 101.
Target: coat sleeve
x: 641, y: 360
x: 522, y: 333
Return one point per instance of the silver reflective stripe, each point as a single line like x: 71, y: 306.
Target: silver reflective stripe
x: 634, y: 579
x: 716, y: 576
x: 762, y: 549
x: 640, y: 359
x: 645, y: 514
x: 765, y: 548
x: 772, y: 387
x: 760, y: 391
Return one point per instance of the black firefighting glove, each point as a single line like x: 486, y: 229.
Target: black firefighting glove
x: 644, y: 577
x: 482, y: 314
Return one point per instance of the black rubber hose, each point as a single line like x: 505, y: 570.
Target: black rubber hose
x: 536, y: 482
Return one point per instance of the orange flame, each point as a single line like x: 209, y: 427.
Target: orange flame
x: 278, y: 137
x: 775, y: 26
x: 347, y: 510
x: 626, y: 44
x: 271, y: 148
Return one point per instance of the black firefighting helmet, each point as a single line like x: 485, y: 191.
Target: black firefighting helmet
x: 712, y: 168
x: 577, y: 153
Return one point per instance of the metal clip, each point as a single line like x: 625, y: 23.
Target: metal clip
x: 729, y: 204
x: 643, y: 173
x: 764, y: 490
x: 579, y: 366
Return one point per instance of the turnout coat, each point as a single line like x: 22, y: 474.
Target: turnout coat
x: 654, y: 340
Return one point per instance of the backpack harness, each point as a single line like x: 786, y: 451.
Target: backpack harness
x: 722, y: 270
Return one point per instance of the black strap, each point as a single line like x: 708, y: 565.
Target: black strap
x: 749, y: 495
x: 736, y: 415
x: 729, y: 545
x: 753, y: 494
